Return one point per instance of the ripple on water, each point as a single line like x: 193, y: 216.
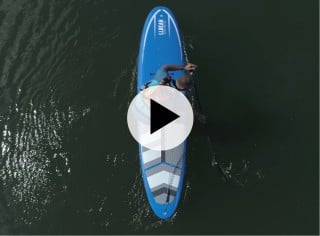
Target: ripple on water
x: 32, y: 48
x: 32, y: 156
x: 36, y: 41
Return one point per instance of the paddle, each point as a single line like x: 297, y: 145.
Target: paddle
x: 206, y: 124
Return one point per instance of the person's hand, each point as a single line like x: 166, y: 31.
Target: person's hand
x: 190, y: 67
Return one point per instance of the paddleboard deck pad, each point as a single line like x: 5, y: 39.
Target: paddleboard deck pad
x: 162, y: 171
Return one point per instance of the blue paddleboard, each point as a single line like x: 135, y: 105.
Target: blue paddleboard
x: 162, y: 171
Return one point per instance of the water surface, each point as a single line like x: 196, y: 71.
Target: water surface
x: 68, y: 164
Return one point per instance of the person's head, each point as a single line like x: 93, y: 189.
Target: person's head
x: 185, y: 81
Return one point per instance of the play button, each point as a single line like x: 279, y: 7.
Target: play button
x: 160, y: 118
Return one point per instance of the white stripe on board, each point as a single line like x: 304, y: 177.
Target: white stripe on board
x: 176, y: 28
x: 147, y: 31
x: 150, y: 155
x: 163, y: 177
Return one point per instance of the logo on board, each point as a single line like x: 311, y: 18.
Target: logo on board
x: 162, y: 27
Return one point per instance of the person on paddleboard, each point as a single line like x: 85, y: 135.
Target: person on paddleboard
x: 162, y: 77
x: 183, y: 83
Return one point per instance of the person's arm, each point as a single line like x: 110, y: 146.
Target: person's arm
x: 187, y: 67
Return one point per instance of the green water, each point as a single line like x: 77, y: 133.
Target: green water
x: 68, y: 164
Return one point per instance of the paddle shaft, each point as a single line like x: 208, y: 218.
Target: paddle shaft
x: 209, y: 138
